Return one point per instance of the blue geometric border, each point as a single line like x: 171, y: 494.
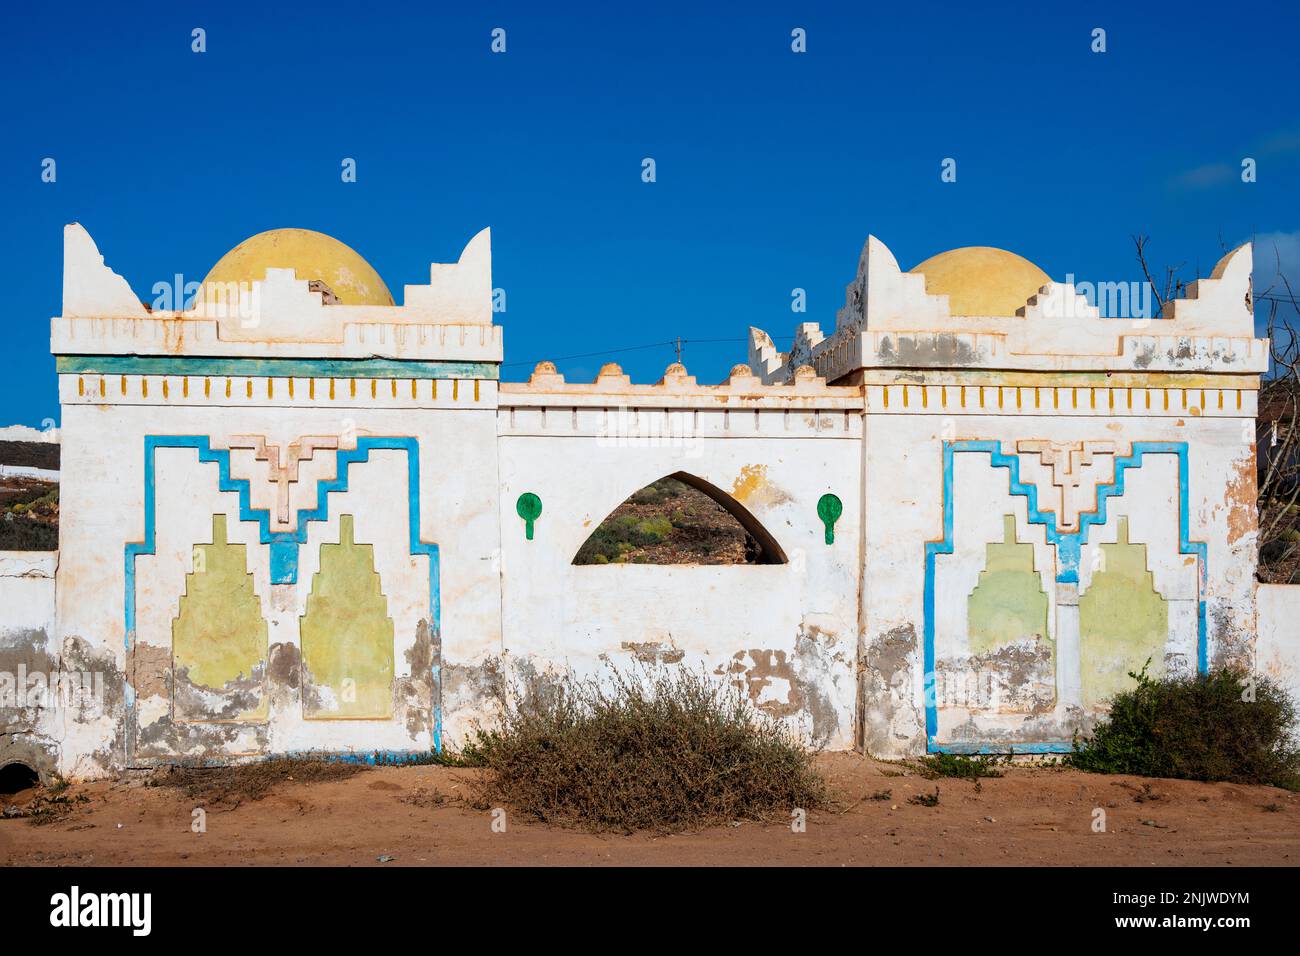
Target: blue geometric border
x: 284, y: 544
x: 1069, y: 549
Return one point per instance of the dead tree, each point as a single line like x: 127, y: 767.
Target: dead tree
x: 1277, y: 439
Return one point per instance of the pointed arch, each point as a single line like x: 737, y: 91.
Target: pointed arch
x: 766, y: 549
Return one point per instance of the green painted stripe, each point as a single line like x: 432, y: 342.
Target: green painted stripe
x: 271, y: 368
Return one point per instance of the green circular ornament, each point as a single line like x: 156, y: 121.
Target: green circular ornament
x: 529, y: 507
x: 829, y: 509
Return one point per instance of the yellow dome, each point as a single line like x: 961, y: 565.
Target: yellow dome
x: 312, y: 255
x: 981, y: 280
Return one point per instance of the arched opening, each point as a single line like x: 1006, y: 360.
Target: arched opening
x: 680, y: 519
x: 17, y: 777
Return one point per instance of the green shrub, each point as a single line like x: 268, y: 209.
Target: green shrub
x: 621, y: 535
x: 1217, y: 726
x: 961, y: 766
x: 665, y: 749
x: 601, y: 548
x: 20, y: 532
x: 651, y: 531
x: 657, y: 492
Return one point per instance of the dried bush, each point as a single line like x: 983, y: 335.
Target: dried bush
x: 243, y: 783
x: 664, y: 749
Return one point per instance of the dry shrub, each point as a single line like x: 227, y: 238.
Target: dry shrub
x: 243, y: 783
x: 664, y: 749
x: 48, y: 806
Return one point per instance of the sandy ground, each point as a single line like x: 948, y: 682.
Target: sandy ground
x: 417, y: 816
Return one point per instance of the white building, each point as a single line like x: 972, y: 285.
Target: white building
x: 297, y: 516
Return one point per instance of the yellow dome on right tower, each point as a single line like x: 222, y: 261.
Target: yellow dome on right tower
x: 982, y: 280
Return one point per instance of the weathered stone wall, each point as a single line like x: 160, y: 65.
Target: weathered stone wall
x: 1167, y: 540
x: 298, y: 528
x: 785, y: 633
x: 119, y: 490
x: 1051, y: 499
x: 30, y: 656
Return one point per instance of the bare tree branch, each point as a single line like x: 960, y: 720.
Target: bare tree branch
x: 1141, y: 242
x: 1277, y: 435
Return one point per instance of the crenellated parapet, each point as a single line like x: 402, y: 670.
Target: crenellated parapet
x: 741, y: 406
x: 677, y: 386
x: 892, y: 320
x: 280, y: 316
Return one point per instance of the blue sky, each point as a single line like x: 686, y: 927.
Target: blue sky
x: 772, y: 166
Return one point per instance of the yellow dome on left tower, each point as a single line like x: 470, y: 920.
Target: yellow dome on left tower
x: 312, y: 255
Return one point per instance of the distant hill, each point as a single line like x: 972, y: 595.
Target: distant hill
x: 29, y: 515
x: 30, y: 454
x: 29, y: 503
x: 668, y: 522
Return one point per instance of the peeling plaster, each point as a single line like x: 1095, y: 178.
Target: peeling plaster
x: 892, y: 722
x: 654, y: 652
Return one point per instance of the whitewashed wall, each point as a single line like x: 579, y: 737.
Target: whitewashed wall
x: 785, y: 633
x: 904, y: 489
x: 29, y: 650
x: 831, y: 641
x: 1277, y: 649
x: 102, y: 506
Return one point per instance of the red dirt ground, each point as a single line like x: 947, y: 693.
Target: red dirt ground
x: 1032, y: 816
